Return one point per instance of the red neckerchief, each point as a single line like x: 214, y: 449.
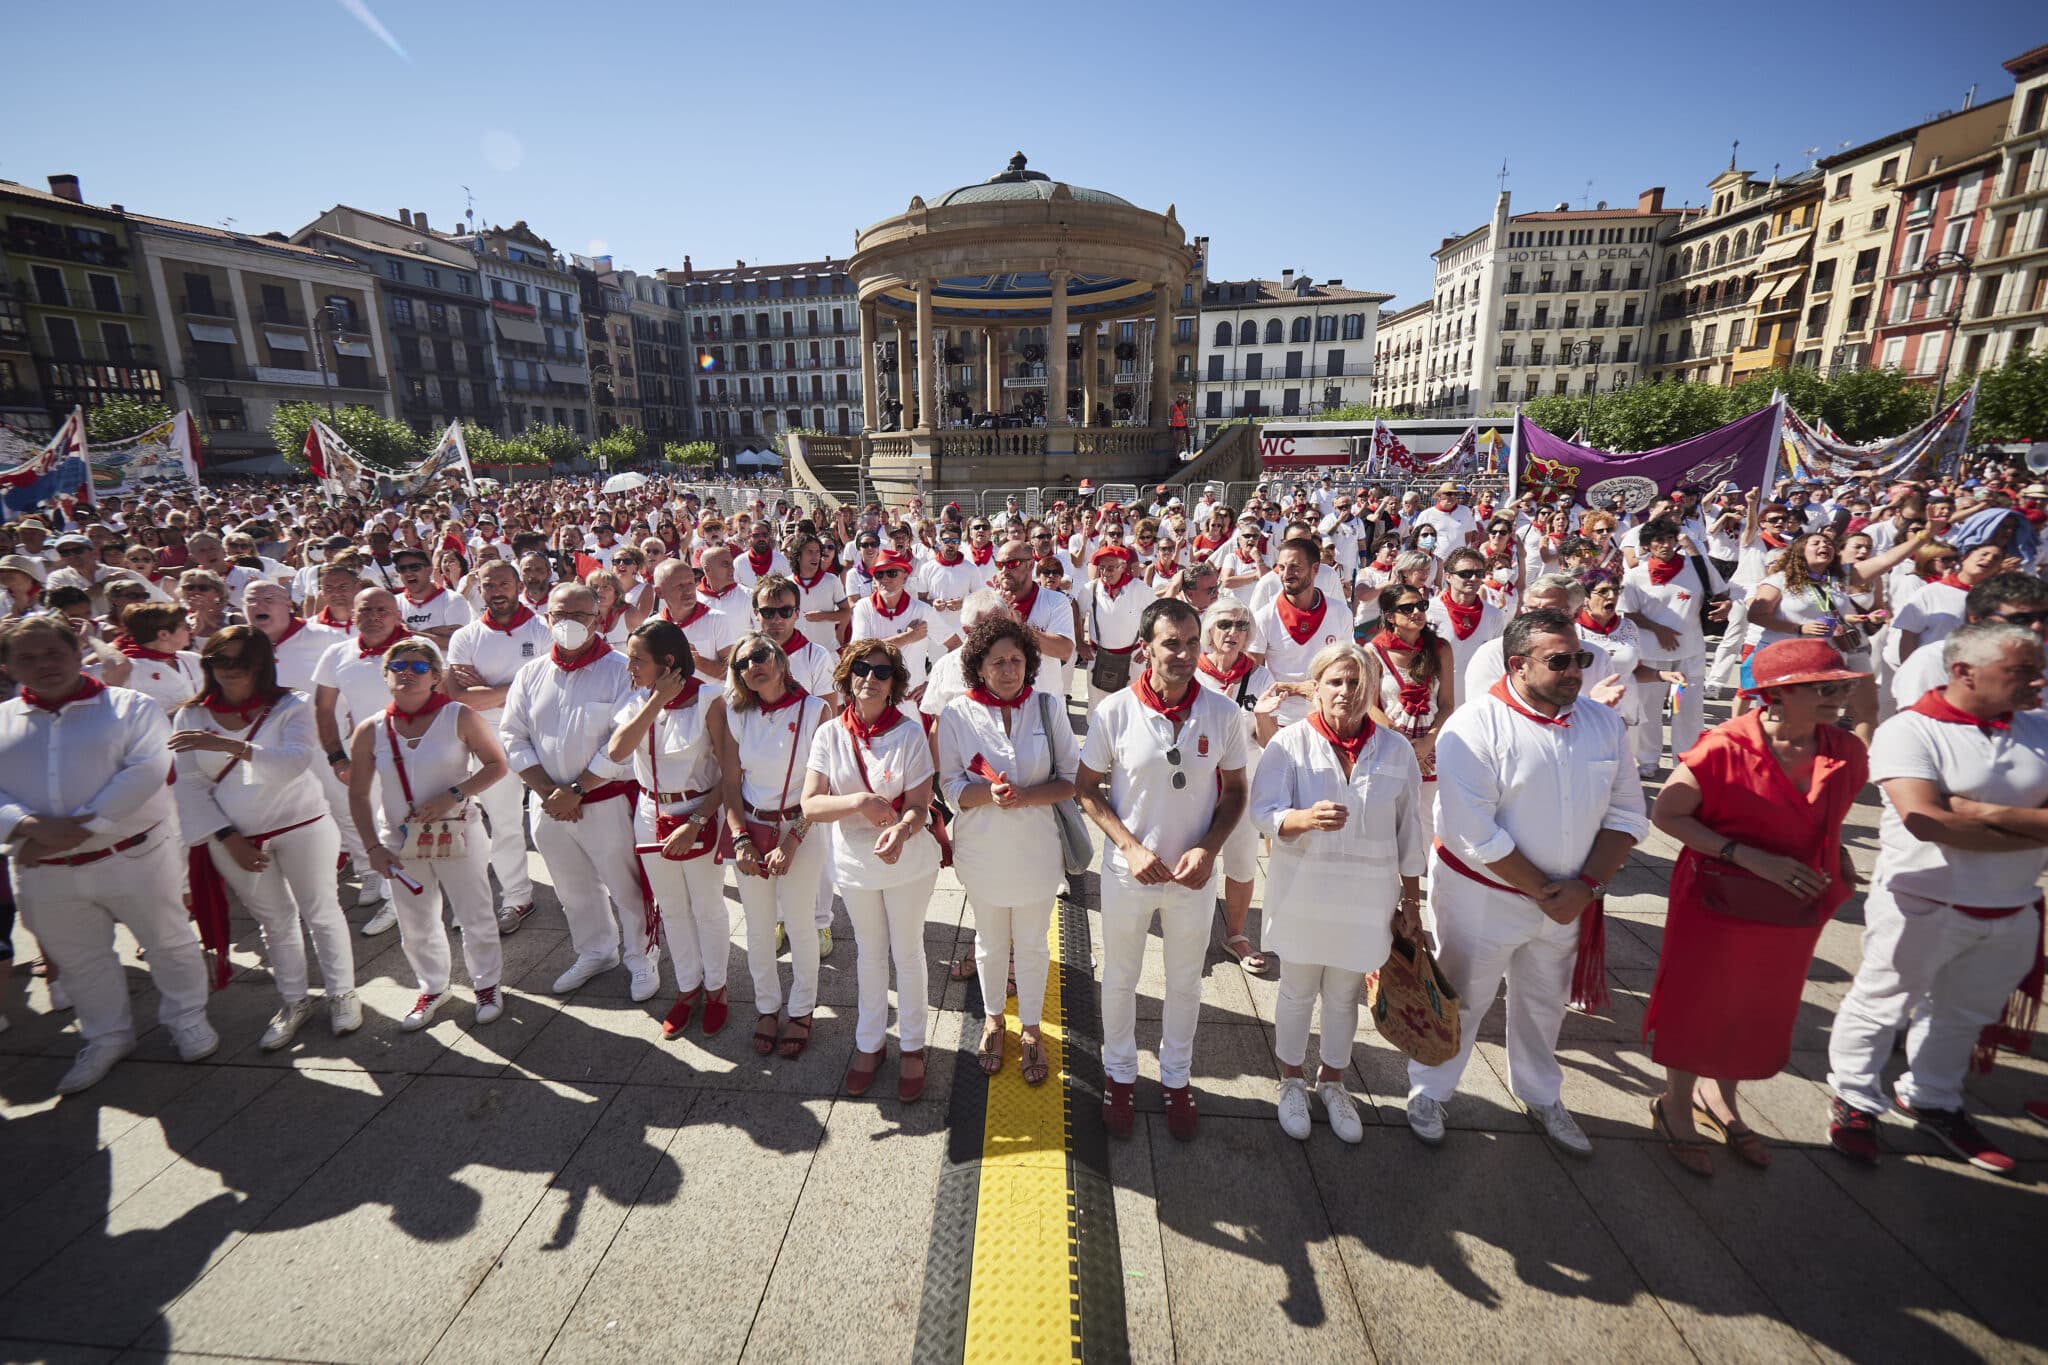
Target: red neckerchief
x: 684, y: 697
x: 591, y: 654
x: 1023, y: 605
x: 982, y: 554
x: 714, y: 596
x: 1351, y: 748
x: 696, y: 614
x: 434, y: 702
x: 1141, y: 684
x: 326, y: 618
x: 218, y: 705
x: 1464, y: 620
x: 1225, y: 678
x: 1414, y: 692
x: 521, y: 614
x: 1204, y: 545
x: 791, y: 695
x: 369, y: 651
x: 862, y: 731
x: 422, y: 601
x: 126, y: 644
x: 1586, y: 622
x: 529, y: 602
x: 1662, y: 571
x: 1302, y: 625
x: 949, y: 563
x: 815, y: 579
x: 605, y: 623
x: 882, y: 607
x: 1935, y: 706
x: 1114, y: 590
x: 88, y: 687
x: 761, y: 563
x: 988, y: 698
x: 298, y: 624
x: 1949, y: 580
x: 1506, y: 695
x: 1772, y: 542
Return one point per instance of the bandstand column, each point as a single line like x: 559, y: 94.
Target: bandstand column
x: 1091, y: 393
x: 905, y: 333
x: 870, y: 389
x: 928, y: 395
x: 1056, y: 354
x: 992, y: 379
x: 1162, y: 355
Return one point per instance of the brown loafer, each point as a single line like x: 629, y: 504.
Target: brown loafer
x: 1118, y: 1115
x: 909, y: 1089
x: 861, y: 1075
x: 1182, y: 1119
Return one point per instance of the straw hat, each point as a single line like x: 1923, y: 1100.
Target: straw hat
x: 1788, y: 663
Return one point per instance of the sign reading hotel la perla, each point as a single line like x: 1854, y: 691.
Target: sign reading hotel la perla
x: 1540, y: 255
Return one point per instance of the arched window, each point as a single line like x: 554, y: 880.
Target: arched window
x: 1272, y: 331
x: 1223, y: 334
x: 1248, y: 334
x: 1685, y: 261
x: 1721, y: 252
x: 1741, y: 244
x: 1299, y: 331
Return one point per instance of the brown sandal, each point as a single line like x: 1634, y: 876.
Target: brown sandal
x: 792, y: 1044
x: 765, y: 1029
x: 1036, y: 1067
x: 990, y: 1053
x: 1741, y: 1139
x: 1690, y: 1153
x: 909, y: 1088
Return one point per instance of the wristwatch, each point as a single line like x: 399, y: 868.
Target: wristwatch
x: 1598, y: 889
x: 337, y: 756
x: 577, y: 786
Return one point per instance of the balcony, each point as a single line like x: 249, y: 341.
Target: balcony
x: 311, y: 379
x: 278, y: 315
x: 136, y: 353
x: 205, y: 308
x: 55, y: 246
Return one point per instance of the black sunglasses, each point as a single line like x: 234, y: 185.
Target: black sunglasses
x: 1558, y: 663
x: 776, y: 613
x: 1409, y: 608
x: 2029, y: 619
x: 868, y: 544
x: 1468, y: 574
x: 861, y: 668
x: 418, y: 667
x: 758, y: 657
x: 229, y: 663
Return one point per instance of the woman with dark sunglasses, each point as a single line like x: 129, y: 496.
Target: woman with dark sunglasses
x: 256, y: 822
x: 1415, y: 689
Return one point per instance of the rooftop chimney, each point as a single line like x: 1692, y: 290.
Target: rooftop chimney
x: 1287, y: 279
x: 66, y: 187
x: 419, y: 220
x: 405, y: 217
x: 1650, y: 200
x: 1334, y: 284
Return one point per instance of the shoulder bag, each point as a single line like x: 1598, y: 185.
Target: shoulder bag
x: 1077, y: 850
x: 766, y: 838
x: 1413, y: 1006
x: 1111, y: 671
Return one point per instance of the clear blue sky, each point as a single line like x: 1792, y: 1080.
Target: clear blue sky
x: 1338, y: 139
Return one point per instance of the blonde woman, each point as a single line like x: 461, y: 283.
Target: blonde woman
x: 1227, y: 666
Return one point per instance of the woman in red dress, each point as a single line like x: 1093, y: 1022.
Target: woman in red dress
x: 1758, y: 804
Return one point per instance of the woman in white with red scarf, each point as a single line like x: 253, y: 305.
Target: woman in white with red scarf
x: 1227, y: 666
x: 1112, y: 603
x: 1416, y: 689
x: 870, y: 778
x: 1341, y: 798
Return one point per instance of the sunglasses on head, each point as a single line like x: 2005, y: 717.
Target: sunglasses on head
x: 1558, y: 663
x: 861, y: 668
x: 417, y: 667
x: 755, y: 659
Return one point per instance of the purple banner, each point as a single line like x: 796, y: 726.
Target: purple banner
x: 1739, y: 452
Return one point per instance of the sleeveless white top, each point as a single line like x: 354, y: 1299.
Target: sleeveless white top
x: 434, y: 762
x: 765, y: 740
x: 1390, y: 703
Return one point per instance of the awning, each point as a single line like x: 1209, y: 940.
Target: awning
x: 1785, y: 257
x: 361, y: 348
x: 1777, y: 289
x: 285, y: 341
x: 207, y: 331
x: 567, y: 374
x: 519, y: 329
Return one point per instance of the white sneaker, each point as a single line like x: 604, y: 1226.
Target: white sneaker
x: 344, y: 1013
x: 1293, y: 1104
x: 1342, y: 1113
x: 60, y: 999
x: 488, y: 1005
x: 94, y: 1061
x: 1561, y: 1128
x: 284, y: 1025
x: 422, y: 1012
x: 372, y: 890
x: 1426, y: 1119
x: 646, y: 980
x: 583, y: 969
x: 196, y: 1040
x: 510, y: 917
x: 824, y: 943
x: 382, y: 922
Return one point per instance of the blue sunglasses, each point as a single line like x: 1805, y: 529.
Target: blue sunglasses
x: 419, y: 667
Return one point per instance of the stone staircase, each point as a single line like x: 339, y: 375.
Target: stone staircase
x: 827, y: 467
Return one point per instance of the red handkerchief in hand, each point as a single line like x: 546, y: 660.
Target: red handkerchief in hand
x: 981, y: 768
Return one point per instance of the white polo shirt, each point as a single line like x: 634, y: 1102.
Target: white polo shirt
x: 300, y: 652
x: 812, y: 667
x: 1050, y: 613
x: 870, y: 623
x: 1932, y: 614
x: 358, y: 677
x: 709, y: 631
x: 1492, y: 621
x: 1675, y: 605
x: 1453, y: 528
x: 895, y: 761
x: 1288, y: 658
x: 944, y: 582
x: 1130, y: 742
x: 744, y: 575
x: 2006, y: 767
x: 825, y: 593
x: 1112, y: 621
x: 441, y: 610
x: 496, y: 653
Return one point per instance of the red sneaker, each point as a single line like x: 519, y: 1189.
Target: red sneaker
x: 1954, y: 1130
x: 1852, y: 1132
x: 1117, y: 1114
x: 1181, y: 1117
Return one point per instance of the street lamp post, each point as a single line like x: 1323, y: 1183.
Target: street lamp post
x: 1581, y: 349
x: 326, y: 331
x: 1934, y: 266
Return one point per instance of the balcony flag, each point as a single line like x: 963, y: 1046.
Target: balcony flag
x: 59, y: 469
x: 1814, y: 452
x: 165, y: 456
x: 1743, y: 452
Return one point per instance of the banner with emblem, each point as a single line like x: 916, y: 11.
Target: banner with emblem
x: 1743, y: 452
x: 450, y: 459
x: 164, y: 456
x: 340, y: 470
x: 1811, y: 451
x: 59, y: 469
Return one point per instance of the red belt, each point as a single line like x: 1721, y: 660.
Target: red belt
x: 81, y: 859
x: 610, y: 790
x: 1455, y: 864
x: 259, y: 840
x: 786, y: 813
x: 1589, y: 967
x: 1994, y: 911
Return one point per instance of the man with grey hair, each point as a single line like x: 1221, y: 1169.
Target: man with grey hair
x: 1952, y: 923
x: 946, y: 682
x: 1547, y: 592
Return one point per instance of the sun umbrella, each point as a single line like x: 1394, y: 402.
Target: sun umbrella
x: 624, y: 483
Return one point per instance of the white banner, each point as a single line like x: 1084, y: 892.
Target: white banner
x: 164, y: 455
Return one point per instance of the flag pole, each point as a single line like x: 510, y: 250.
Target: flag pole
x: 1515, y: 456
x: 1777, y: 445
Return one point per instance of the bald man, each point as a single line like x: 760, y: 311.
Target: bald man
x: 712, y: 632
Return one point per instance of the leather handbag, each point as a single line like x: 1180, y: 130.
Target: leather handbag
x: 1077, y: 849
x: 1412, y: 1006
x: 765, y: 838
x: 1736, y: 893
x: 1111, y: 671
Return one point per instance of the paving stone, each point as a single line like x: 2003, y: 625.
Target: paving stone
x: 45, y: 1136
x: 1148, y: 1312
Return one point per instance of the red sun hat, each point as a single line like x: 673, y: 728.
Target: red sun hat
x: 892, y: 559
x: 1789, y: 663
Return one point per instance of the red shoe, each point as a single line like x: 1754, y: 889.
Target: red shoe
x: 909, y: 1089
x: 859, y: 1078
x: 714, y: 1011
x: 1954, y: 1130
x: 1117, y: 1114
x: 1852, y: 1132
x: 1181, y: 1117
x: 678, y: 1017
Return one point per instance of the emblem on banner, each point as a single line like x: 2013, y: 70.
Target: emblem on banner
x: 1553, y: 473
x: 1635, y: 492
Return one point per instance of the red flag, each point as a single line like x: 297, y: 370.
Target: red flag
x: 314, y: 457
x: 586, y: 566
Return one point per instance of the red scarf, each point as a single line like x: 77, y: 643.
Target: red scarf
x: 1141, y: 684
x: 862, y: 731
x: 126, y: 644
x: 1204, y: 545
x: 1662, y: 571
x: 218, y: 705
x: 1415, y: 691
x: 949, y: 559
x: 815, y: 579
x: 88, y: 687
x: 521, y: 614
x: 326, y: 618
x: 696, y: 615
x: 761, y: 563
x: 1303, y: 625
x: 1949, y: 580
x: 983, y: 555
x: 1773, y: 542
x: 422, y: 601
x: 605, y: 623
x: 1506, y: 695
x: 591, y: 654
x: 1935, y: 706
x: 434, y: 702
x: 1351, y: 748
x: 1464, y: 620
x: 1586, y: 622
x: 298, y: 624
x: 988, y: 698
x: 882, y: 607
x: 791, y: 695
x: 1237, y: 671
x: 684, y: 697
x: 714, y: 596
x: 1023, y: 605
x: 368, y: 651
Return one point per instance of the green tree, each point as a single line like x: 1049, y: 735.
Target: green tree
x: 690, y: 454
x: 553, y: 443
x: 1805, y: 389
x: 1557, y: 413
x: 487, y: 447
x: 380, y: 441
x: 620, y: 446
x: 1354, y: 412
x: 1869, y: 405
x: 2012, y: 404
x: 119, y: 418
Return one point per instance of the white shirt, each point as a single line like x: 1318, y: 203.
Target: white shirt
x: 1491, y: 623
x: 1268, y: 588
x: 1453, y: 528
x: 171, y: 682
x: 498, y: 655
x: 1006, y: 856
x: 685, y: 761
x: 869, y: 623
x: 359, y: 681
x: 772, y: 746
x: 442, y: 610
x: 104, y: 754
x: 710, y: 632
x: 948, y: 582
x: 1129, y: 741
x: 1050, y: 613
x: 1343, y: 536
x: 2006, y: 767
x: 812, y: 667
x: 299, y: 653
x: 561, y: 720
x: 1933, y: 613
x: 827, y: 594
x: 743, y: 569
x: 895, y: 761
x: 1488, y: 665
x: 1675, y: 606
x: 1287, y: 658
x: 1506, y: 783
x: 273, y: 788
x: 1111, y: 622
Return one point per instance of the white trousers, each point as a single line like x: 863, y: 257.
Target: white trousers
x: 591, y: 863
x: 297, y: 887
x: 1724, y: 671
x: 1946, y: 973
x: 1184, y: 917
x: 888, y: 926
x: 1688, y: 721
x: 789, y: 898
x: 72, y: 911
x: 1013, y: 937
x: 466, y: 883
x: 503, y: 804
x: 691, y: 898
x: 821, y: 913
x: 1300, y: 985
x: 336, y: 792
x: 1483, y: 935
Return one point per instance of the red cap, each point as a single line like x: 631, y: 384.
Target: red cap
x: 1123, y: 552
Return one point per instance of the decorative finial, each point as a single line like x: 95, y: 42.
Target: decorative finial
x: 1733, y: 148
x: 1503, y: 175
x: 1018, y: 161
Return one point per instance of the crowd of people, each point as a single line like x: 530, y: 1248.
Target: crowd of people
x: 1434, y: 719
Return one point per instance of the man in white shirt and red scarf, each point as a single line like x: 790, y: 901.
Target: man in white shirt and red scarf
x: 348, y: 688
x: 1666, y: 598
x: 716, y: 584
x: 88, y: 821
x: 557, y: 718
x: 483, y: 658
x: 1114, y: 602
x: 1460, y: 614
x: 1538, y: 805
x: 1952, y: 925
x: 943, y: 581
x: 428, y: 608
x: 711, y: 632
x: 1048, y: 615
x: 1456, y: 526
x: 761, y: 559
x: 1296, y: 624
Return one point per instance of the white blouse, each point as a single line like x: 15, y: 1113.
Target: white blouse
x: 1006, y: 857
x: 765, y: 739
x: 678, y: 752
x: 895, y: 761
x: 273, y: 788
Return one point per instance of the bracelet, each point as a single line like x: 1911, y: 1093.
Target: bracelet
x: 1727, y: 853
x: 337, y: 755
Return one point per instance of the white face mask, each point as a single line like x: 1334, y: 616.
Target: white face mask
x: 1426, y: 542
x: 570, y: 636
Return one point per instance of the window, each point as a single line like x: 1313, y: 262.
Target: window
x: 1326, y: 327
x: 1293, y: 365
x: 1965, y: 202
x: 1216, y: 367
x: 1955, y: 234
x: 1500, y: 391
x: 1842, y: 185
x: 1354, y: 327
x: 1212, y: 403
x: 1273, y: 331
x: 1928, y: 358
x: 1254, y: 366
x: 114, y: 338
x: 50, y: 286
x: 1290, y: 402
x: 1894, y: 353
x: 1915, y: 250
x: 1888, y: 172
x: 1250, y: 406
x: 1183, y: 330
x: 1824, y: 276
x: 1576, y: 280
x: 401, y: 312
x: 1336, y: 366
x: 1298, y: 330
x: 1248, y: 334
x: 396, y: 270
x: 106, y: 293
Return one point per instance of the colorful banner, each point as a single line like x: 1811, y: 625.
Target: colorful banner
x: 450, y: 459
x: 59, y: 469
x: 1811, y: 451
x: 164, y: 455
x: 1743, y: 452
x: 340, y: 470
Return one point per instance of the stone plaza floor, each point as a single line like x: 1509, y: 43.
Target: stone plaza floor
x: 563, y: 1185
